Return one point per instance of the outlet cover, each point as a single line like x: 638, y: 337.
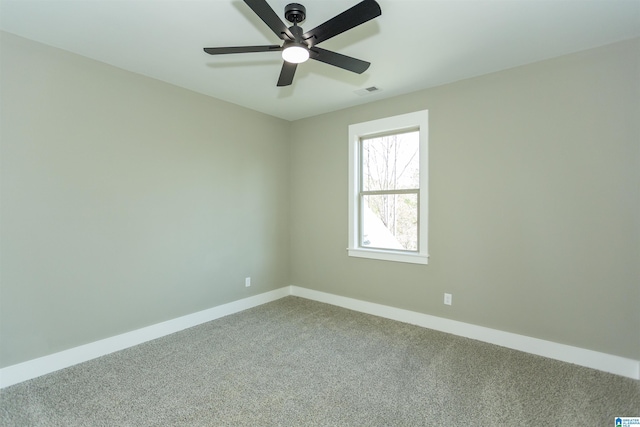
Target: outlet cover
x: 448, y: 299
x: 247, y: 282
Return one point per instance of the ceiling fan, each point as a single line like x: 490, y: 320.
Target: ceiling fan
x: 299, y: 46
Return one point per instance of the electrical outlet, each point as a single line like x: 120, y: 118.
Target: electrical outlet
x: 448, y: 299
x: 247, y: 281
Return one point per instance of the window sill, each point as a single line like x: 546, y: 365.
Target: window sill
x: 380, y: 254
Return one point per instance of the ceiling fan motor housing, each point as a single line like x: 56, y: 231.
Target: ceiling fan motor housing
x: 297, y: 34
x: 295, y: 12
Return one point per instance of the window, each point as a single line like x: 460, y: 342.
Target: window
x: 388, y: 160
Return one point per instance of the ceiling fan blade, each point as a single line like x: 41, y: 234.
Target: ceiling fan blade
x: 269, y: 17
x: 339, y: 60
x: 350, y: 18
x: 240, y: 49
x: 286, y: 74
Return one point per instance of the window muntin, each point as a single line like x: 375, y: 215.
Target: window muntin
x: 388, y: 182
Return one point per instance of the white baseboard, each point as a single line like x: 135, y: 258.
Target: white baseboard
x: 578, y: 356
x: 43, y: 365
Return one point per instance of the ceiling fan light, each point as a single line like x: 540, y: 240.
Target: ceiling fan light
x: 295, y: 54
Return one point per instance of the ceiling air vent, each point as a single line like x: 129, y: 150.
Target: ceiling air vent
x: 367, y: 91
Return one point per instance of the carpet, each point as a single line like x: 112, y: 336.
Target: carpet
x: 296, y: 362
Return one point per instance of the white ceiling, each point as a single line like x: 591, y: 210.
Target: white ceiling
x: 413, y: 45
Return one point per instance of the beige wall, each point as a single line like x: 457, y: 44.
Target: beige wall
x: 127, y: 201
x: 534, y: 202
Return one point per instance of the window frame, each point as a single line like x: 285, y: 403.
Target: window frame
x: 387, y: 126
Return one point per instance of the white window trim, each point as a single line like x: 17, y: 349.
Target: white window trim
x: 420, y: 120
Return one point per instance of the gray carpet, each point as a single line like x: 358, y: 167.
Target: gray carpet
x: 295, y: 362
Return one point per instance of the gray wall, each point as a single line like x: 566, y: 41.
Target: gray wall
x: 534, y: 202
x: 127, y: 201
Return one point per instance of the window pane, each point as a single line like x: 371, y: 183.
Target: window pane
x: 390, y: 221
x: 391, y: 162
